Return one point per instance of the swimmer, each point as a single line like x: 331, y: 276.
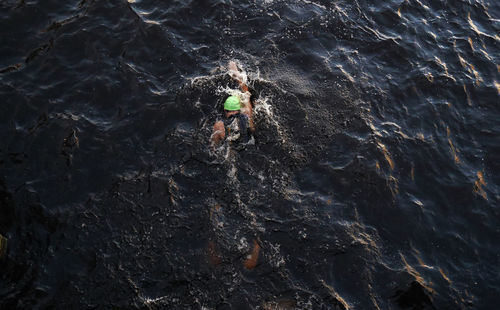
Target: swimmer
x: 237, y: 121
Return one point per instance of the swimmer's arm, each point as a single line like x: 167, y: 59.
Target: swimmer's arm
x: 243, y: 86
x: 247, y: 106
x: 218, y: 133
x: 248, y: 110
x: 235, y: 73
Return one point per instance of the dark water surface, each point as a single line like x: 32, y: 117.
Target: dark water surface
x: 373, y: 183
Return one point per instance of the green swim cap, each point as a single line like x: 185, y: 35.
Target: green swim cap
x: 232, y: 103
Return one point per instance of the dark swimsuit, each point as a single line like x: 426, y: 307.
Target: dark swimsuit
x: 237, y: 129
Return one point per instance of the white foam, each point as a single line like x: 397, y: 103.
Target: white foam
x: 264, y: 109
x: 243, y: 244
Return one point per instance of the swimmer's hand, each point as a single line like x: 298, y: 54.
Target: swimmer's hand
x: 232, y: 66
x: 235, y: 73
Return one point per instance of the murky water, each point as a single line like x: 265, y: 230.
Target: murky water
x: 372, y: 184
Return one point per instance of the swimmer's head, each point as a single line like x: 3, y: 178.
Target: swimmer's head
x: 232, y: 103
